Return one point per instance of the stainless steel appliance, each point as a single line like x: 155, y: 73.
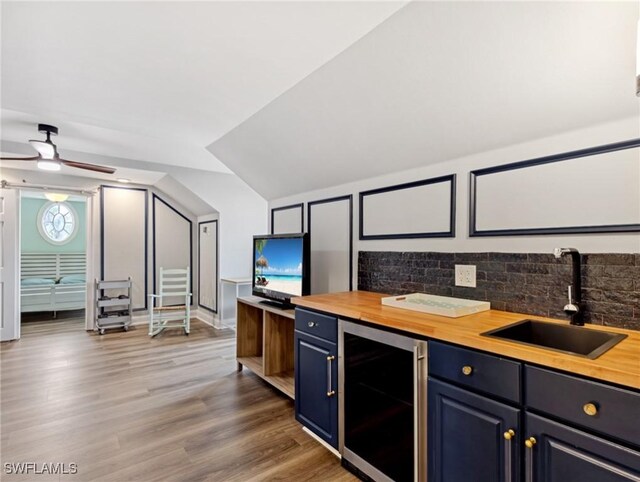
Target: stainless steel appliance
x: 383, y: 403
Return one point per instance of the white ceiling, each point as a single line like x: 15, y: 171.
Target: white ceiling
x: 159, y: 81
x: 296, y: 96
x: 437, y: 81
x: 137, y: 176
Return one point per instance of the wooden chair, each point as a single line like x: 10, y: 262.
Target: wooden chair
x: 173, y: 283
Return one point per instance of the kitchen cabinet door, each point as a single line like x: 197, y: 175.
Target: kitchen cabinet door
x: 316, y: 377
x: 558, y: 453
x: 471, y: 438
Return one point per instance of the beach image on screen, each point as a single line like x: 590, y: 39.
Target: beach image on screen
x: 278, y: 265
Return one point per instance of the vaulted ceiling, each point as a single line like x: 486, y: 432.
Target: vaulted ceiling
x: 295, y: 96
x: 437, y: 81
x: 159, y: 81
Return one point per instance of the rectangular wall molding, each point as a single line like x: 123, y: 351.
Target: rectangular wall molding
x: 287, y: 219
x: 208, y: 265
x: 586, y: 191
x: 172, y: 240
x: 330, y: 227
x: 419, y: 209
x: 123, y: 238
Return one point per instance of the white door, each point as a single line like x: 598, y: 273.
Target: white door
x: 9, y: 267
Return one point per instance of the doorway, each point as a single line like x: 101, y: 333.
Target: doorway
x: 53, y: 260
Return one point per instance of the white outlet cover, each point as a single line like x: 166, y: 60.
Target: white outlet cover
x: 466, y: 275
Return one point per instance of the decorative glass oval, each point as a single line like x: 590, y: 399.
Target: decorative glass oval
x: 58, y: 222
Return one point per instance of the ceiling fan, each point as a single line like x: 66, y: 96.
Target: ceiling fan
x: 48, y: 158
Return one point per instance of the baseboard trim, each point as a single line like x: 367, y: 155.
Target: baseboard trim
x: 196, y: 315
x: 322, y: 442
x: 208, y: 318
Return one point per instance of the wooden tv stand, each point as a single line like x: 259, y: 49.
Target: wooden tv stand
x: 264, y: 342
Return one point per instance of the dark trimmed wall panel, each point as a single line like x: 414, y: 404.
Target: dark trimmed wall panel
x: 531, y: 283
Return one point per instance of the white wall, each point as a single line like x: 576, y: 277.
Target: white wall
x: 597, y: 135
x: 208, y: 283
x: 242, y: 213
x: 123, y: 231
x: 35, y: 177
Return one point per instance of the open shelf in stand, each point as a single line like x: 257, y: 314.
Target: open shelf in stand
x: 264, y: 342
x: 253, y: 363
x: 284, y: 382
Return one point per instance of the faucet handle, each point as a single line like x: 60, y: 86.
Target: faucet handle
x: 571, y: 308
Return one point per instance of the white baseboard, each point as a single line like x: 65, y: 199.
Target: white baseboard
x: 322, y: 442
x: 204, y: 316
x: 138, y: 320
x: 207, y: 317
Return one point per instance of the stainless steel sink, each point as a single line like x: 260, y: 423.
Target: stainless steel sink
x: 573, y: 340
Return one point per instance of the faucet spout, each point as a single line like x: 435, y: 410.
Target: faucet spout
x: 560, y: 252
x: 575, y: 289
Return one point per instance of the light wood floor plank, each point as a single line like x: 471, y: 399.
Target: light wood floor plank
x: 124, y: 406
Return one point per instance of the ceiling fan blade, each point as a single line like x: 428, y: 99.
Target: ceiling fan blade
x: 19, y: 158
x: 46, y: 149
x: 88, y: 167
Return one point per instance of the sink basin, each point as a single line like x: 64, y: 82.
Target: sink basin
x: 570, y: 339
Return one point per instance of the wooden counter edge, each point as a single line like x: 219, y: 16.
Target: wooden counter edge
x: 366, y: 307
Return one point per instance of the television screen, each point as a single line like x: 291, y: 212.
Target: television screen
x: 279, y: 266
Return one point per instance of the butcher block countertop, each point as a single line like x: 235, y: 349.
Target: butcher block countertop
x: 620, y: 365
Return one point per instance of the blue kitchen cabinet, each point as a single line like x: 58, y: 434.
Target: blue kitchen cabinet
x: 316, y: 374
x: 471, y: 437
x: 496, y: 419
x: 556, y: 452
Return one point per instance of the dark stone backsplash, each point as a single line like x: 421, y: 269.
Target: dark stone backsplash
x: 532, y: 283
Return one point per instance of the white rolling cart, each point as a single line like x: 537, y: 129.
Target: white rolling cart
x: 113, y: 304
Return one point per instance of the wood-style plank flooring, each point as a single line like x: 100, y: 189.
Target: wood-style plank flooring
x: 124, y: 406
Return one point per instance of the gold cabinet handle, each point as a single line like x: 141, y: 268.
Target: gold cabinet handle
x: 528, y: 471
x: 467, y: 370
x: 508, y: 454
x: 590, y: 409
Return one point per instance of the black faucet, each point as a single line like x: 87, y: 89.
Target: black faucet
x: 573, y: 308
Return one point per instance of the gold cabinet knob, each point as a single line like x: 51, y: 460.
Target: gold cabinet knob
x: 509, y: 434
x: 590, y: 409
x: 331, y: 393
x: 467, y: 370
x: 530, y: 442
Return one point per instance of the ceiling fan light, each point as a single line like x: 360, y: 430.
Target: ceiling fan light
x: 56, y: 197
x: 48, y: 165
x: 46, y: 149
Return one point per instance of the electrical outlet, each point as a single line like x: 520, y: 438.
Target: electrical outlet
x: 466, y: 275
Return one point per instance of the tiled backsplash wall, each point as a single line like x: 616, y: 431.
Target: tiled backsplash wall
x: 532, y: 283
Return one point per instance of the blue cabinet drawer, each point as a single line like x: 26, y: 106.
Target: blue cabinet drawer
x: 486, y: 373
x: 317, y: 324
x: 603, y: 408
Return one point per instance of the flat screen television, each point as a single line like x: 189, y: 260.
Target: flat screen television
x: 281, y: 267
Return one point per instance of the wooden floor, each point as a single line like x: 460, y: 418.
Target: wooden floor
x: 126, y: 407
